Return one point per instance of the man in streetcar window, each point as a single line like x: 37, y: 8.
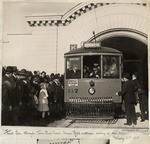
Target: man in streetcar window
x: 96, y: 71
x: 75, y: 72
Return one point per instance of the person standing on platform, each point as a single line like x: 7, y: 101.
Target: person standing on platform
x: 57, y: 94
x: 142, y: 96
x: 128, y: 94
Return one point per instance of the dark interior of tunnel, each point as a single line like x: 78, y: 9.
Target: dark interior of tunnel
x: 134, y: 55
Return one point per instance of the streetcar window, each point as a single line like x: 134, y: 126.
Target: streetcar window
x: 110, y: 66
x: 73, y: 67
x: 91, y: 66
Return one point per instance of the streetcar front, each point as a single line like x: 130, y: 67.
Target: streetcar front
x: 92, y: 78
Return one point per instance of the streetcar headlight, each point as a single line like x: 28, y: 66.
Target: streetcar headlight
x: 91, y: 91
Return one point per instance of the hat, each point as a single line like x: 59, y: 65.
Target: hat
x: 56, y: 76
x: 43, y: 72
x: 9, y: 69
x: 23, y: 72
x: 29, y: 73
x: 35, y: 72
x: 127, y: 76
x: 52, y: 74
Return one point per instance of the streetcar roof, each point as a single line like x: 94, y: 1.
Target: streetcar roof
x: 96, y: 50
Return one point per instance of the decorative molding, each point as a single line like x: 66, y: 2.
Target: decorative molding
x: 68, y: 17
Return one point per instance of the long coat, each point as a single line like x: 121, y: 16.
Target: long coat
x: 128, y: 92
x: 6, y: 100
x: 6, y: 91
x: 43, y: 101
x: 57, y: 95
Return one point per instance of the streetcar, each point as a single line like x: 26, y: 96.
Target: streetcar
x: 92, y: 78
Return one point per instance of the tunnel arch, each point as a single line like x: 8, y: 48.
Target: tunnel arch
x: 120, y: 32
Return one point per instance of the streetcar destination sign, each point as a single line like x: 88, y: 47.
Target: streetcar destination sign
x: 73, y: 82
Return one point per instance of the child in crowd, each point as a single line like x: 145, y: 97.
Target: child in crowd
x: 43, y: 100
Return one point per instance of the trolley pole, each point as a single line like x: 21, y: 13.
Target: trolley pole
x: 94, y: 36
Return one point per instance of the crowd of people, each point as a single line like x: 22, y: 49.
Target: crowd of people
x: 27, y: 96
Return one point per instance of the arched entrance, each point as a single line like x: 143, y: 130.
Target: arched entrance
x: 133, y: 45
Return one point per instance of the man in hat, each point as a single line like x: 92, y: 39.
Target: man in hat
x: 13, y: 79
x: 56, y: 95
x: 7, y: 96
x: 8, y: 73
x: 96, y: 71
x: 75, y: 73
x: 43, y: 77
x: 129, y: 99
x: 21, y: 101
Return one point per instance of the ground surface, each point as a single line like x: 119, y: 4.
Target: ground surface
x: 115, y: 123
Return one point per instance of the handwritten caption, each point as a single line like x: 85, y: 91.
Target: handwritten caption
x: 121, y: 135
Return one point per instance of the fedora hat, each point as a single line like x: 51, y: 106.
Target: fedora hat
x: 9, y: 69
x: 23, y: 72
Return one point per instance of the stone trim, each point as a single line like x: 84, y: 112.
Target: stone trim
x: 71, y: 17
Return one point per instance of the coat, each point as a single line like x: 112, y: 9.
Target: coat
x: 128, y: 92
x: 6, y: 94
x: 6, y: 101
x: 57, y: 95
x: 43, y: 101
x: 57, y: 92
x: 73, y: 74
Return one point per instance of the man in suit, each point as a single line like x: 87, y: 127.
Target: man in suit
x: 21, y: 99
x: 96, y: 73
x: 56, y: 96
x: 7, y: 97
x: 75, y: 73
x: 13, y: 79
x: 128, y: 94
